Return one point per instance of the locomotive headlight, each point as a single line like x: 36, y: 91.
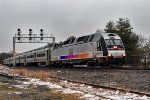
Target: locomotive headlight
x: 115, y: 47
x: 109, y: 55
x: 124, y: 54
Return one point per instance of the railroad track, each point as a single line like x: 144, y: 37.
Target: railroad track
x: 87, y: 68
x: 105, y: 87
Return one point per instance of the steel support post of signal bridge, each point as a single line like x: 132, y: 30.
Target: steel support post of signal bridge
x: 53, y: 39
x: 14, y: 53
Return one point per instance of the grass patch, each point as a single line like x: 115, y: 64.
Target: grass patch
x: 33, y: 74
x: 55, y: 95
x: 4, y: 79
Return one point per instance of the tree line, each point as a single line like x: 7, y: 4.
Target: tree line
x: 135, y: 44
x: 4, y: 56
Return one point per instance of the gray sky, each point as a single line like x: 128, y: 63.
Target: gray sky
x: 67, y: 17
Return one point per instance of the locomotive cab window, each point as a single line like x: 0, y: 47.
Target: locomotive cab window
x: 98, y: 46
x: 110, y: 43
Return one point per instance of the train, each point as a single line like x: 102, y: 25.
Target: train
x: 98, y: 49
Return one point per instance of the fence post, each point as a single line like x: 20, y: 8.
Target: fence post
x: 145, y: 61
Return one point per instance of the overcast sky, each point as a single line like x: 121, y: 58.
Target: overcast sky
x: 64, y: 18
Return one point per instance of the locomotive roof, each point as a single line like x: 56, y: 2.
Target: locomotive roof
x: 110, y: 35
x: 82, y: 39
x: 88, y: 38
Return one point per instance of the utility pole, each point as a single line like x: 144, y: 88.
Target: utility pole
x: 145, y: 61
x: 145, y: 57
x: 31, y: 38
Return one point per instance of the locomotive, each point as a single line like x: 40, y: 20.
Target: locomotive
x: 98, y: 49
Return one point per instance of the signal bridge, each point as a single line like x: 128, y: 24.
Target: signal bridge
x: 32, y: 38
x: 35, y: 38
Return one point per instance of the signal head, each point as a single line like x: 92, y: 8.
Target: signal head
x: 18, y: 38
x: 30, y: 32
x: 18, y: 31
x: 41, y: 32
x: 41, y: 38
x: 30, y: 38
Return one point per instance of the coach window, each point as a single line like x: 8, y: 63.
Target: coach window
x: 41, y: 55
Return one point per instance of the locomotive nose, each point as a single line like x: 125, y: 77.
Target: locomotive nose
x: 118, y: 55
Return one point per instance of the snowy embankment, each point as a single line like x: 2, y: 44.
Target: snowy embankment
x: 85, y: 91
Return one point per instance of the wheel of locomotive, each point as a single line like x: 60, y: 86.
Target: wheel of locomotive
x: 102, y: 66
x: 70, y: 65
x: 111, y: 66
x: 59, y: 65
x: 88, y: 64
x: 53, y: 64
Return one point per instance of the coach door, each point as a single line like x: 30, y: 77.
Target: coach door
x: 99, y: 52
x: 48, y: 52
x: 99, y: 48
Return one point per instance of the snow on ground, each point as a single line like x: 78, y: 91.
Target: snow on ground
x: 15, y: 93
x: 87, y: 92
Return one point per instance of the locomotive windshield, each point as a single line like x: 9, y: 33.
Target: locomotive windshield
x: 110, y: 43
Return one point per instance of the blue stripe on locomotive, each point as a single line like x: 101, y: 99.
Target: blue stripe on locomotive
x: 63, y: 57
